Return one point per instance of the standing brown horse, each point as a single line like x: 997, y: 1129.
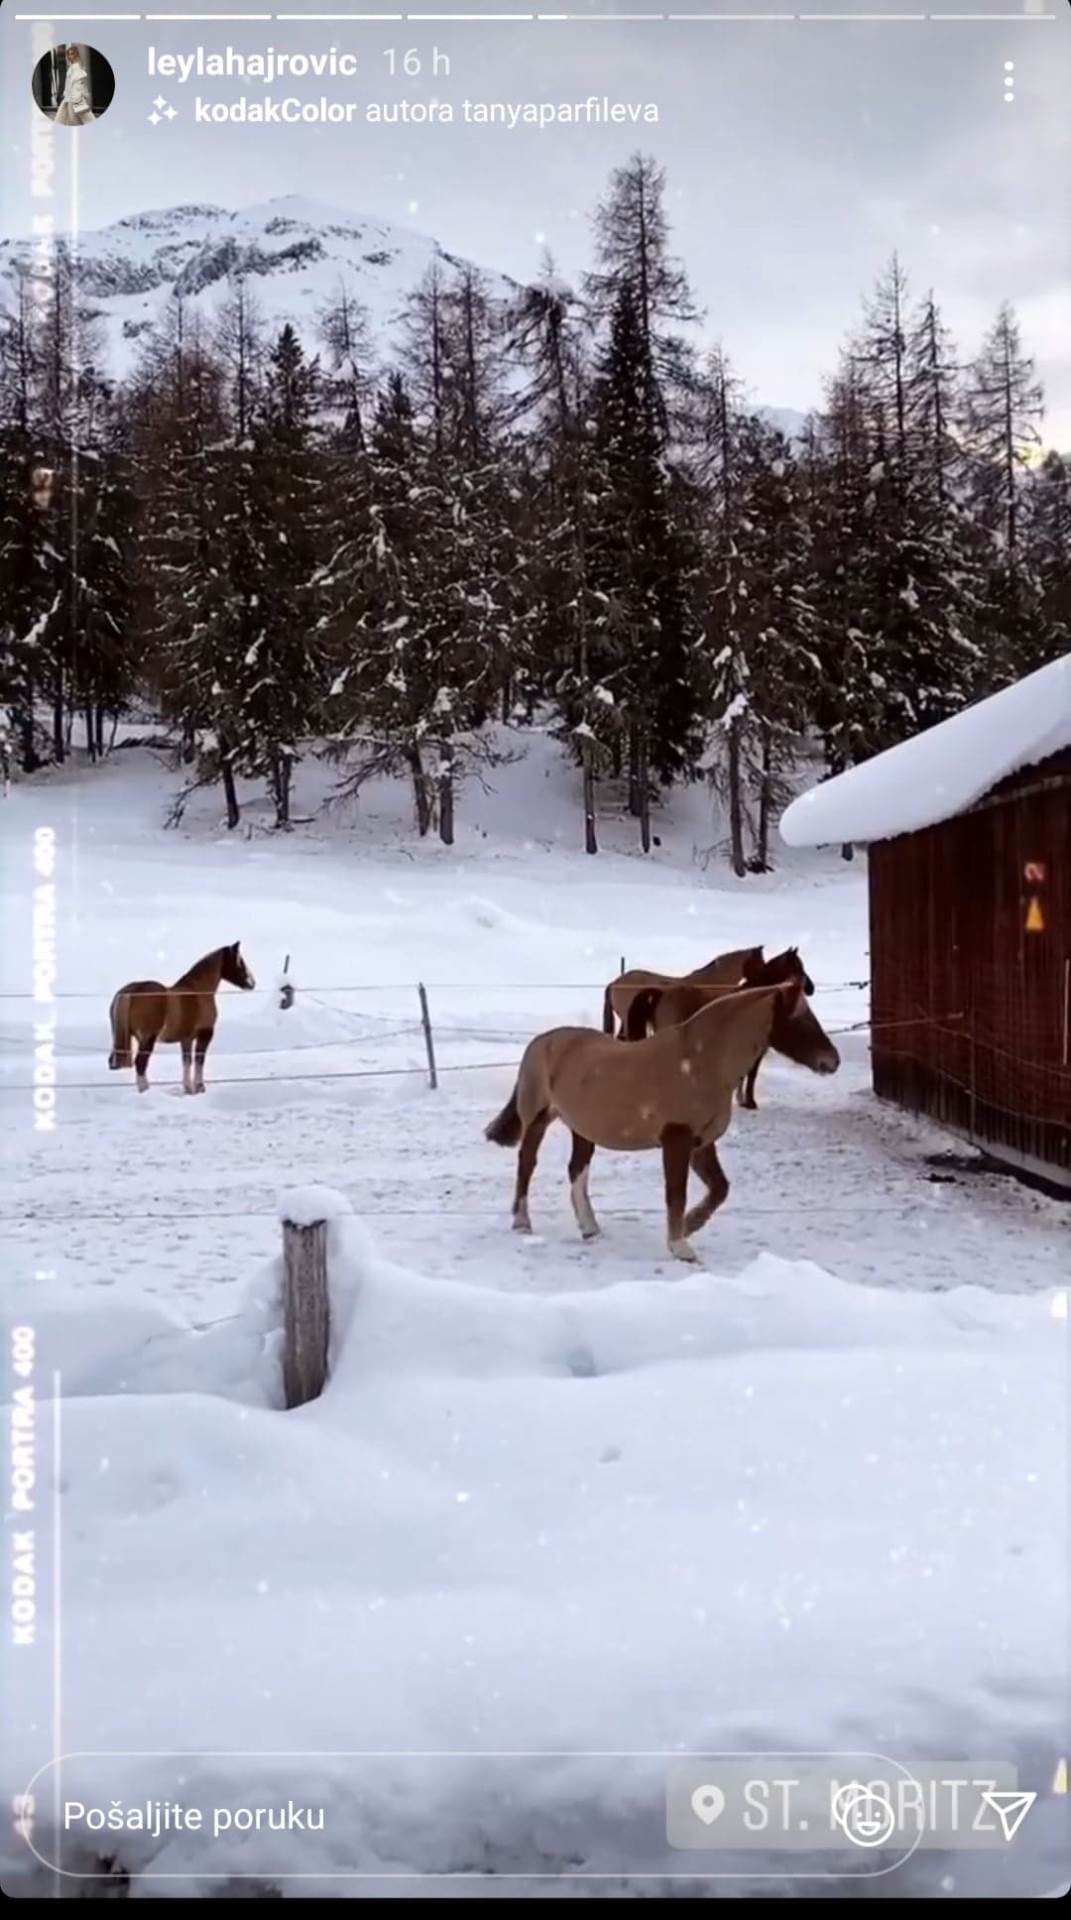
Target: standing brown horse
x: 756, y: 972
x: 185, y: 1013
x: 725, y: 970
x: 674, y: 1091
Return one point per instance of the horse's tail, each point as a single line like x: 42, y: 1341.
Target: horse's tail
x: 608, y: 1009
x: 120, y: 1055
x: 641, y: 1012
x: 505, y: 1129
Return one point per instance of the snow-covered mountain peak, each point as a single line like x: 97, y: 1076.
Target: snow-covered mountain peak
x: 295, y: 254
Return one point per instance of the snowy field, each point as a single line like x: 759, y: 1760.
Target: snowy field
x: 560, y: 1500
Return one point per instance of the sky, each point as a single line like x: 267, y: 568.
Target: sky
x: 799, y: 153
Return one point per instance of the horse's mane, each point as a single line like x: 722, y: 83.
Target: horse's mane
x: 216, y: 953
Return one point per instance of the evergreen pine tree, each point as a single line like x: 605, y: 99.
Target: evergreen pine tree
x: 836, y: 471
x: 564, y: 483
x: 1004, y: 405
x: 644, y: 557
x: 30, y: 598
x: 344, y: 330
x: 110, y: 652
x: 276, y: 555
x: 202, y: 532
x: 755, y: 605
x: 1049, y: 545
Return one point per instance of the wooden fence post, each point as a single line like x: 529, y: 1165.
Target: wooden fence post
x: 622, y: 963
x: 306, y: 1318
x: 428, y: 1041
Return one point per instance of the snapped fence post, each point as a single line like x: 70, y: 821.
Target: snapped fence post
x: 306, y: 1317
x: 622, y: 963
x: 429, y: 1043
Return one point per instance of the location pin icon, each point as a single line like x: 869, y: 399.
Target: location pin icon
x: 707, y: 1803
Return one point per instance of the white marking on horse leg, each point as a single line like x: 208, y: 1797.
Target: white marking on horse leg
x: 683, y: 1250
x: 521, y: 1219
x: 578, y: 1194
x: 143, y: 1083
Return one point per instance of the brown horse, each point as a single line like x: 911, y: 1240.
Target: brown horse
x: 674, y: 1091
x: 147, y: 1011
x: 757, y: 972
x: 725, y: 970
x: 655, y: 1008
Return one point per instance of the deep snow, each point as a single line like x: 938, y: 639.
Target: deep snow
x: 558, y: 1499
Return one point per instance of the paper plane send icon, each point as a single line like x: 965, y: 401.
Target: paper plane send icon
x: 1010, y: 1808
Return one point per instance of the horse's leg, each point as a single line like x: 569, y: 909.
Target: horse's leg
x: 706, y: 1164
x: 187, y: 1065
x: 146, y: 1043
x: 677, y: 1145
x: 745, y: 1092
x: 526, y: 1159
x: 579, y: 1164
x: 202, y: 1042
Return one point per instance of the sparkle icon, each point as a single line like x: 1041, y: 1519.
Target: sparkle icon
x: 1010, y: 1808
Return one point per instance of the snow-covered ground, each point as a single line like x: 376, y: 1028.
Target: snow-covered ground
x: 559, y: 1500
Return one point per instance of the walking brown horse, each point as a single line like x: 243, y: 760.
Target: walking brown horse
x: 674, y: 1092
x: 757, y: 972
x: 655, y: 1008
x: 147, y: 1011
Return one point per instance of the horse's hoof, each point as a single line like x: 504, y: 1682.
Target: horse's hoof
x: 590, y: 1233
x: 681, y: 1250
x: 522, y: 1226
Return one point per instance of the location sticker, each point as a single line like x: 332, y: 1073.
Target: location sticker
x: 707, y: 1803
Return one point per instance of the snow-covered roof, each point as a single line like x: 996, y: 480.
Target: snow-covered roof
x: 941, y: 772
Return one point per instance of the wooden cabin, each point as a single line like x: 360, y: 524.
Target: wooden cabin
x: 968, y: 830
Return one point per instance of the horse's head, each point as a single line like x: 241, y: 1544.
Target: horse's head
x: 783, y: 967
x: 235, y: 970
x: 797, y: 1033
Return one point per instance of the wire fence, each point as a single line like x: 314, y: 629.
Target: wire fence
x: 103, y: 994
x: 380, y: 1028
x: 121, y: 1215
x: 412, y: 1031
x: 368, y: 1031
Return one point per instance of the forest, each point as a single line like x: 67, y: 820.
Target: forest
x: 557, y: 508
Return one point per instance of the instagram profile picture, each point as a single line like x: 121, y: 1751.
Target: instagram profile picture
x: 73, y: 84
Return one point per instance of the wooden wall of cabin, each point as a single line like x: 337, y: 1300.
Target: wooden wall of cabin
x: 970, y: 995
